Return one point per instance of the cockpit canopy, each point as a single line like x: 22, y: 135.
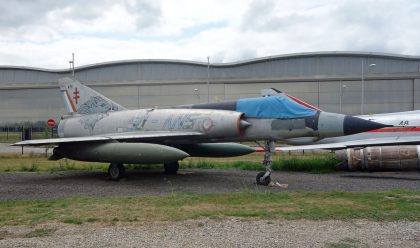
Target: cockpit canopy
x: 273, y: 107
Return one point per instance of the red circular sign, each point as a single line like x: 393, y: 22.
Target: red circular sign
x: 51, y: 123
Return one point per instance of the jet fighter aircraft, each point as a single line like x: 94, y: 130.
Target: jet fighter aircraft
x: 98, y: 129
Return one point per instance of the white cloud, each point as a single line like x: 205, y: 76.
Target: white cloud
x: 44, y: 33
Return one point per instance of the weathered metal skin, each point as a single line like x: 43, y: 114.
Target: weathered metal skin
x: 216, y: 125
x: 322, y: 125
x: 115, y: 152
x: 330, y: 125
x: 318, y: 126
x: 212, y: 123
x: 380, y: 158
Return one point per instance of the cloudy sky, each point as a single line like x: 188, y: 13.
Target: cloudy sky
x: 44, y: 33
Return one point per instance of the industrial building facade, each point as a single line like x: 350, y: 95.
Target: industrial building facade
x: 330, y: 80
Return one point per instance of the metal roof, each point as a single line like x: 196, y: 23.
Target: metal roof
x: 221, y: 65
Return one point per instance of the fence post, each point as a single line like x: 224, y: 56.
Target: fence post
x: 22, y: 136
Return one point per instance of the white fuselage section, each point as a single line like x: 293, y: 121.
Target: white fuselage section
x: 407, y: 124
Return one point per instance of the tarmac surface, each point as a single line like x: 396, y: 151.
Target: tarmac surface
x: 45, y: 185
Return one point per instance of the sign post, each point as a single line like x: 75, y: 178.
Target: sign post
x: 51, y: 124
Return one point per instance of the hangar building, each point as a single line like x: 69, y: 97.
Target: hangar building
x: 330, y: 80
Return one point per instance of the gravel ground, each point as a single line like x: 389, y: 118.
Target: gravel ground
x: 229, y: 232
x: 43, y: 185
x: 224, y: 232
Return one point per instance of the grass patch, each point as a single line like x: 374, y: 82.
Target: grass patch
x: 314, y: 163
x: 32, y: 167
x: 143, y: 166
x: 40, y: 232
x: 16, y: 136
x: 39, y: 162
x: 92, y: 219
x: 377, y: 206
x: 12, y: 137
x: 311, y: 163
x: 72, y: 220
x: 346, y: 243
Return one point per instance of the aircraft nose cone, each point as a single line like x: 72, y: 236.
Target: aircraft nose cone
x: 353, y: 125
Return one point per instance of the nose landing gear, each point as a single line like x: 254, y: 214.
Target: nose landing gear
x: 263, y: 178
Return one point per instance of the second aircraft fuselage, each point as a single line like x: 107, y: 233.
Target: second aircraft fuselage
x: 404, y: 124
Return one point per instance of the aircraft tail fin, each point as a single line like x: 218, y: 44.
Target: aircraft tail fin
x: 275, y: 92
x: 81, y: 99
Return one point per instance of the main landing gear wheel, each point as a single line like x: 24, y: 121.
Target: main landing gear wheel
x: 261, y: 180
x: 171, y: 168
x: 116, y: 171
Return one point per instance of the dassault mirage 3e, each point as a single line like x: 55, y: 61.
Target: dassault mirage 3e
x: 99, y: 130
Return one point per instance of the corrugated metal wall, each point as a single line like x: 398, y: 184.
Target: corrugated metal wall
x: 331, y: 81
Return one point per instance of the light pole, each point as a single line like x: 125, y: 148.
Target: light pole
x: 208, y: 78
x: 362, y: 105
x: 197, y: 93
x: 71, y: 62
x: 342, y: 88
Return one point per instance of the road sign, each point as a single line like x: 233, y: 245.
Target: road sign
x: 51, y: 123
